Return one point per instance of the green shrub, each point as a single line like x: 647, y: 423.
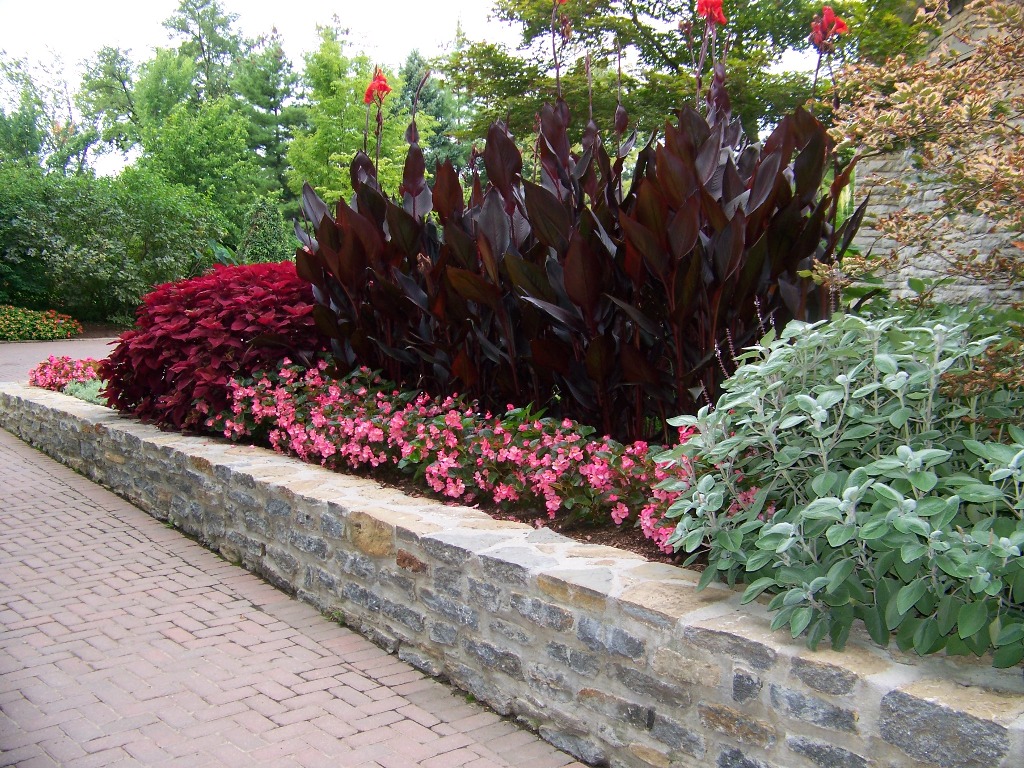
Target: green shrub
x: 266, y: 238
x: 18, y: 324
x: 840, y: 474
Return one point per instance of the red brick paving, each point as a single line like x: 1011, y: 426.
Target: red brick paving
x: 124, y: 643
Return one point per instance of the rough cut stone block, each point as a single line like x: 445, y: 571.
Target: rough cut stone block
x: 825, y: 755
x: 578, y: 745
x: 448, y: 581
x: 542, y: 613
x: 811, y: 709
x: 755, y: 653
x: 397, y: 582
x: 485, y: 594
x: 824, y: 677
x: 582, y: 663
x: 548, y: 682
x: 361, y: 596
x: 455, y: 611
x: 370, y: 535
x: 631, y: 712
x: 745, y: 686
x: 403, y: 615
x: 937, y: 734
x: 738, y: 725
x: 443, y: 634
x: 492, y: 657
x: 734, y: 758
x: 598, y: 636
x: 661, y: 690
x: 677, y: 736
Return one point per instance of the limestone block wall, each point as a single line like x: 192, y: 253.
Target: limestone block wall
x: 614, y: 659
x: 875, y: 176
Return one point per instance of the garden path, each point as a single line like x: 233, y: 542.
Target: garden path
x: 18, y: 358
x: 124, y: 643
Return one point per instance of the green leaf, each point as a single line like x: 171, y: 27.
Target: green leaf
x: 838, y: 535
x: 908, y: 596
x: 838, y: 574
x: 980, y: 494
x: 946, y: 615
x: 876, y: 529
x: 908, y: 524
x: 926, y: 636
x: 911, y: 552
x: 823, y: 484
x: 756, y: 588
x: 893, y: 616
x: 791, y: 421
x: 923, y: 481
x: 972, y: 617
x: 706, y: 578
x: 900, y: 417
x: 886, y: 364
x: 1011, y: 633
x: 801, y: 618
x: 760, y: 559
x: 1008, y: 655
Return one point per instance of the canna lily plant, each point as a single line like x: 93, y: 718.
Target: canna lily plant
x: 612, y: 296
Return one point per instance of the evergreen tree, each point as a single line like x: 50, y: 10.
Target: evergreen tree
x: 267, y: 85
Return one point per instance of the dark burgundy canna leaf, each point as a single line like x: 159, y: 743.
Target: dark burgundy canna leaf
x: 449, y: 199
x: 313, y: 207
x: 621, y: 120
x: 565, y: 318
x: 503, y: 162
x: 766, y: 177
x: 583, y: 277
x: 642, y: 242
x: 529, y: 278
x: 636, y: 368
x: 473, y: 287
x: 810, y: 166
x: 493, y: 221
x: 684, y: 229
x: 404, y: 229
x: 600, y: 359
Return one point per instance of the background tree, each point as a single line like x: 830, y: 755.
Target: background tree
x: 209, y: 39
x: 207, y: 150
x: 660, y: 54
x: 340, y: 123
x: 267, y: 86
x: 442, y: 114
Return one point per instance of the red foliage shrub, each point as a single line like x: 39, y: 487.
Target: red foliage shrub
x: 191, y: 337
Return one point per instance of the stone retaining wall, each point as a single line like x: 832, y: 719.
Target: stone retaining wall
x: 614, y: 659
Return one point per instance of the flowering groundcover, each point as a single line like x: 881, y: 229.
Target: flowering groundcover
x: 518, y: 462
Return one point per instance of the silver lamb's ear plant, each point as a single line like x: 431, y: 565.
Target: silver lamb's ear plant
x: 836, y: 474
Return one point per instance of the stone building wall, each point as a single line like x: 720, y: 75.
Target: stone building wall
x: 879, y: 176
x: 619, y: 661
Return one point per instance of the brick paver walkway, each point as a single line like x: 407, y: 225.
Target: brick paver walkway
x: 124, y: 643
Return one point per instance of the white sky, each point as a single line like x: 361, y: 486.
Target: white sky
x: 385, y: 29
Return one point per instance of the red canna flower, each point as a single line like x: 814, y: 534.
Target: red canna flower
x: 712, y: 11
x: 825, y: 30
x: 377, y: 89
